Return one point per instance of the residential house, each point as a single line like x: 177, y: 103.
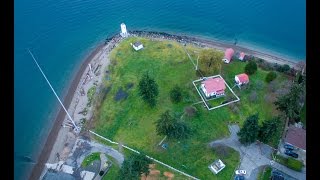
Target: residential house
x: 213, y: 87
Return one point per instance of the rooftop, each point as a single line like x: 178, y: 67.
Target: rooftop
x: 214, y: 85
x: 296, y: 136
x: 137, y: 43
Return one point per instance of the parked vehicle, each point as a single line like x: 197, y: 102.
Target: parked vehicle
x: 290, y: 153
x: 239, y: 178
x: 289, y: 147
x: 241, y: 172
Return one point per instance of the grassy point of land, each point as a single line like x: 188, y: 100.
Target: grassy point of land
x: 90, y: 158
x: 132, y: 121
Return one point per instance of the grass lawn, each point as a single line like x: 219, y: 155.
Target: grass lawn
x: 290, y: 162
x: 90, y: 158
x: 131, y: 121
x: 114, y: 169
x: 265, y: 174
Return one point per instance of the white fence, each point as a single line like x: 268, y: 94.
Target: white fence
x: 146, y: 156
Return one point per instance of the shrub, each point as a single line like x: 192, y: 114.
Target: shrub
x: 271, y: 76
x: 190, y: 111
x: 294, y: 164
x: 284, y: 68
x: 253, y: 96
x: 259, y: 85
x: 251, y: 68
x: 175, y: 94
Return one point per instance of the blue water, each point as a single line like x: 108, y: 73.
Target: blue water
x: 62, y: 32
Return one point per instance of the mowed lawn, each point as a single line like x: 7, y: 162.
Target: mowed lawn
x: 131, y: 121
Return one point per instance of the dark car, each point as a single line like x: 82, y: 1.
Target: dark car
x: 239, y: 178
x: 290, y: 153
x: 287, y: 146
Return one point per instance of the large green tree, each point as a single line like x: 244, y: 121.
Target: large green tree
x: 268, y: 129
x: 148, y: 89
x: 250, y: 130
x: 133, y: 167
x: 171, y: 127
x: 289, y: 103
x: 210, y: 61
x: 251, y: 68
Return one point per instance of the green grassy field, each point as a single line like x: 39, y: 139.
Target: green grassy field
x: 131, y: 121
x: 265, y: 174
x: 90, y: 158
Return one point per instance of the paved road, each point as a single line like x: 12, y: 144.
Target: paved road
x: 253, y: 156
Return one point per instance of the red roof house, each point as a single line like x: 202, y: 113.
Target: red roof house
x: 241, y: 79
x: 213, y: 87
x: 296, y: 137
x: 228, y: 55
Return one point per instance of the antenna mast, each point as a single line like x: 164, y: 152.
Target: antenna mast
x: 76, y: 128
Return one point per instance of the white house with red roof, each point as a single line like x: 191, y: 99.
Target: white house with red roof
x: 213, y: 87
x: 228, y: 55
x: 241, y: 79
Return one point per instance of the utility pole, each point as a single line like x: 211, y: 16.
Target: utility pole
x: 75, y: 127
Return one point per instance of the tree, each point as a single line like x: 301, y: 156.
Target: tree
x: 210, y: 61
x: 268, y: 129
x: 289, y: 103
x: 271, y: 76
x: 283, y: 68
x: 148, y: 89
x: 175, y: 94
x: 250, y: 130
x: 251, y: 68
x: 133, y: 167
x: 169, y: 126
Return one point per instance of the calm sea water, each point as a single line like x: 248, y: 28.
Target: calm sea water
x: 62, y: 32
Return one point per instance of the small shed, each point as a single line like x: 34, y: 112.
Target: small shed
x: 228, y: 55
x: 241, y: 79
x: 216, y: 166
x: 137, y: 45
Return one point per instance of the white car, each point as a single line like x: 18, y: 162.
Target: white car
x: 241, y: 172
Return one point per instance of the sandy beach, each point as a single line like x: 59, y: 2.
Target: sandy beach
x: 61, y: 138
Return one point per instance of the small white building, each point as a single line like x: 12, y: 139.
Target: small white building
x: 137, y: 45
x: 216, y: 166
x: 124, y: 32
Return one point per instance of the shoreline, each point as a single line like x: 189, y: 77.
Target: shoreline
x: 57, y: 125
x: 216, y: 45
x: 57, y: 129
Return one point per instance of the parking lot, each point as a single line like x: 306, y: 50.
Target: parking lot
x: 301, y: 153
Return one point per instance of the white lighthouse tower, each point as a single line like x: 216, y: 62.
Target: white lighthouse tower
x: 124, y: 32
